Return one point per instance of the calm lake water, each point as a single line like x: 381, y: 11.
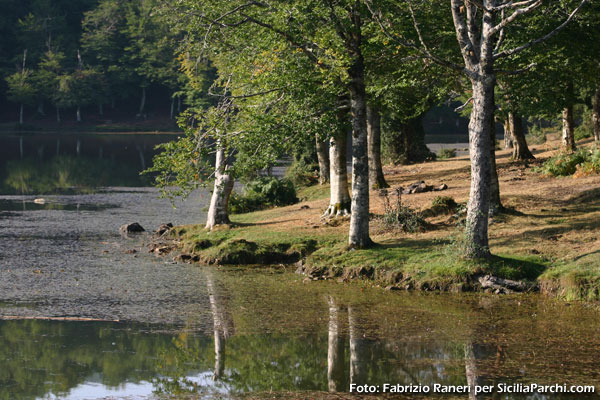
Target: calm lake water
x: 181, y: 331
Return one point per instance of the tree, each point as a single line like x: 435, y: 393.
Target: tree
x: 333, y: 48
x: 47, y: 78
x: 20, y: 88
x: 480, y: 28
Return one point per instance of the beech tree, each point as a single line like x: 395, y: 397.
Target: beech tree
x: 327, y: 35
x: 480, y: 28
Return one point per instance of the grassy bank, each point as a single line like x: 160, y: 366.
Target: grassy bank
x: 549, y: 238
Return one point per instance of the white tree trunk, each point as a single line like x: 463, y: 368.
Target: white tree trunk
x: 218, y: 212
x: 101, y: 109
x: 57, y: 114
x: 78, y: 114
x: 359, y: 213
x: 339, y: 198
x: 568, y: 129
x: 21, y: 115
x: 172, y: 107
x: 479, y: 150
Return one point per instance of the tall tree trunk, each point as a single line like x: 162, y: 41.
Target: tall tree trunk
x: 508, y: 134
x: 172, y: 107
x: 335, y: 350
x: 78, y: 114
x: 40, y: 108
x: 100, y: 109
x: 339, y: 198
x: 596, y: 114
x: 482, y: 117
x: 376, y: 178
x: 57, y: 114
x: 359, y: 216
x: 568, y: 126
x: 495, y: 203
x: 143, y: 102
x: 520, y: 150
x: 218, y: 212
x: 21, y: 115
x: 178, y: 104
x: 568, y: 129
x: 323, y: 158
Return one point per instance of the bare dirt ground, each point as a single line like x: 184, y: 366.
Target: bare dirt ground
x: 555, y: 217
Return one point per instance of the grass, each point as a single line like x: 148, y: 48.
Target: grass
x: 550, y: 236
x: 578, y: 279
x: 425, y: 264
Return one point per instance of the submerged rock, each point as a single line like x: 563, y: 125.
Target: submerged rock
x: 131, y: 228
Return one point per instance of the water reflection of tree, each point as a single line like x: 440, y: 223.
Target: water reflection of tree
x: 483, y: 350
x: 222, y: 323
x: 63, y: 173
x: 41, y: 357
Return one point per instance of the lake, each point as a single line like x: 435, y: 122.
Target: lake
x: 158, y: 329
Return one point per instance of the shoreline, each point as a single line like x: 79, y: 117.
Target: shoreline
x: 546, y: 240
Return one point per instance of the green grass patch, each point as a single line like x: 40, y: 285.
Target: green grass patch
x: 575, y: 280
x: 245, y: 245
x: 425, y: 264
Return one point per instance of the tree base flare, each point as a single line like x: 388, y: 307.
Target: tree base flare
x: 337, y: 210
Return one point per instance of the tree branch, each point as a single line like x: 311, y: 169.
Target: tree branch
x: 507, y: 53
x: 508, y: 20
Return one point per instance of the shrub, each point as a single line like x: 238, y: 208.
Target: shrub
x: 261, y: 193
x: 446, y: 153
x: 444, y: 201
x: 564, y: 164
x: 397, y: 216
x: 302, y: 174
x: 591, y: 165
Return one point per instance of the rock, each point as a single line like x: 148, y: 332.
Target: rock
x: 304, y: 207
x: 187, y: 258
x: 132, y: 251
x: 443, y: 186
x: 164, y: 228
x: 500, y: 285
x: 131, y: 228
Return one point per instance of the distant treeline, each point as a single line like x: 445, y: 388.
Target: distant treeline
x: 63, y: 59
